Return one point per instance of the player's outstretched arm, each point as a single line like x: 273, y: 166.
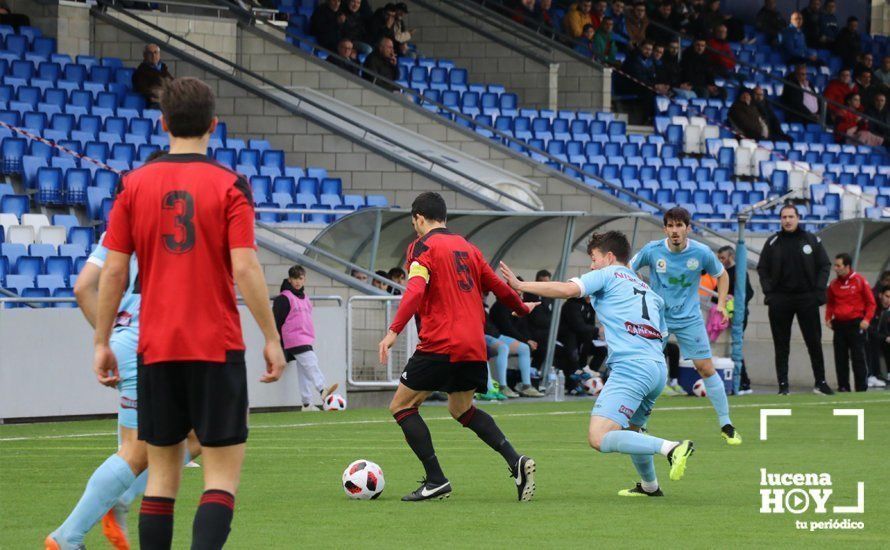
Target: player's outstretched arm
x: 553, y: 289
x: 86, y: 291
x: 112, y: 283
x: 411, y: 300
x: 249, y: 278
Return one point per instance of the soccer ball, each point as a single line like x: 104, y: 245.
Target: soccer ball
x: 593, y: 385
x: 334, y: 402
x: 363, y: 480
x: 698, y: 388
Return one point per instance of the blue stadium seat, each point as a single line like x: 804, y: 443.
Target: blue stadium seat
x: 262, y: 186
x: 51, y: 282
x: 225, y: 156
x: 353, y: 201
x: 97, y: 150
x: 146, y: 150
x: 65, y: 220
x: 61, y: 266
x: 19, y: 283
x: 31, y: 266
x: 95, y: 196
x: 284, y: 185
x: 49, y: 186
x: 15, y: 204
x: 76, y: 182
x: 106, y: 179
x: 376, y: 200
x: 250, y: 157
x: 64, y: 293
x: 273, y: 159
x: 12, y: 151
x: 83, y: 236
x: 12, y: 252
x: 332, y: 186
x: 123, y: 151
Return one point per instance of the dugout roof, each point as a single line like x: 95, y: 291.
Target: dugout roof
x: 378, y: 237
x: 868, y: 241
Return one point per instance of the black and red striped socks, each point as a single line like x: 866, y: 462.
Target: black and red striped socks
x: 213, y: 520
x: 485, y: 427
x: 417, y: 434
x: 156, y: 523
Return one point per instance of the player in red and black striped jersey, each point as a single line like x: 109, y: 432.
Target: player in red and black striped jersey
x: 448, y: 278
x: 190, y: 221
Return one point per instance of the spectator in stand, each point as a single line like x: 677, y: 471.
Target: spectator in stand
x: 848, y: 312
x: 354, y: 27
x: 383, y: 25
x: 14, y: 20
x: 852, y: 128
x: 518, y: 343
x: 865, y: 62
x: 828, y: 25
x: 640, y: 67
x: 849, y: 42
x: 721, y: 56
x: 879, y: 111
x: 775, y: 125
x: 545, y: 21
x: 812, y: 15
x: 800, y: 99
x: 866, y: 87
x: 879, y: 341
x: 794, y: 44
x: 637, y: 25
x: 882, y: 75
x: 584, y: 44
x: 838, y: 89
x: 151, y: 75
x: 604, y: 49
x: 597, y: 12
x: 711, y: 17
x: 400, y: 29
x: 616, y: 12
x: 580, y: 14
x: 669, y: 73
x: 726, y: 255
x: 746, y: 119
x: 770, y: 22
x: 794, y: 270
x: 345, y: 53
x: 383, y: 63
x: 695, y: 70
x: 324, y: 25
x: 661, y: 28
x: 523, y: 11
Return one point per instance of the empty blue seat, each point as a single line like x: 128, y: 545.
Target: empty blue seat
x: 331, y: 186
x: 30, y: 266
x: 51, y: 282
x: 123, y: 151
x: 273, y: 158
x: 65, y: 220
x: 97, y: 150
x: 12, y: 252
x: 49, y: 186
x: 285, y: 185
x: 76, y: 182
x: 376, y: 200
x: 14, y: 204
x: 262, y: 187
x: 19, y: 283
x: 12, y: 151
x: 250, y: 157
x: 106, y: 179
x: 226, y: 157
x: 64, y: 293
x: 95, y: 196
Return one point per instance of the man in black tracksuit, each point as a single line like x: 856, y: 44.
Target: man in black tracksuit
x: 794, y: 270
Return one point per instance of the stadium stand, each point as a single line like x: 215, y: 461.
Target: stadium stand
x: 100, y: 128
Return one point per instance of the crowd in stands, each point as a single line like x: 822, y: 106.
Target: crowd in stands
x: 351, y: 27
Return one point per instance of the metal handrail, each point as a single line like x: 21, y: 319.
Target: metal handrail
x: 510, y: 139
x: 235, y: 67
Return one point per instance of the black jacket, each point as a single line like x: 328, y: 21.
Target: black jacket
x: 281, y: 309
x: 797, y: 259
x: 573, y: 322
x: 792, y: 99
x: 375, y: 63
x: 147, y: 79
x: 879, y: 328
x: 325, y: 27
x: 695, y: 69
x: 341, y: 62
x: 502, y: 318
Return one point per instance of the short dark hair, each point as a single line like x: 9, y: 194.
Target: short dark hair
x: 396, y: 272
x: 431, y: 206
x: 726, y: 248
x: 588, y: 26
x: 381, y: 273
x: 542, y: 273
x: 852, y: 18
x: 188, y: 106
x: 788, y: 205
x: 677, y: 214
x: 845, y: 258
x: 296, y: 271
x: 611, y: 241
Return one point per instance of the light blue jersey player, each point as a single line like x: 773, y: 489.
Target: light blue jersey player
x: 633, y: 317
x: 122, y: 477
x: 675, y: 267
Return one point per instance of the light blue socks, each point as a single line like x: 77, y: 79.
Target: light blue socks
x: 716, y: 392
x: 631, y: 443
x: 105, y: 487
x: 645, y: 466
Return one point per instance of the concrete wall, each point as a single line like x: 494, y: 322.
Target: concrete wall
x: 499, y: 54
x: 68, y: 22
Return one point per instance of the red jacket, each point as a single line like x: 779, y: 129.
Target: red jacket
x: 726, y: 61
x: 850, y: 298
x: 838, y: 91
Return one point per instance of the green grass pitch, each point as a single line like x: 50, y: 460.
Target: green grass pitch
x: 291, y: 497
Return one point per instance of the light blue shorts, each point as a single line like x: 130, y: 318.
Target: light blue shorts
x: 123, y: 345
x: 630, y: 392
x: 693, y: 340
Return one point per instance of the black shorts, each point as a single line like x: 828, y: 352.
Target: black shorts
x: 434, y: 372
x: 179, y: 396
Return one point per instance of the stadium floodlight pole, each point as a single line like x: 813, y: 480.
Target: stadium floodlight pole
x: 557, y: 304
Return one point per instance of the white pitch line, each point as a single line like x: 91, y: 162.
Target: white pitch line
x: 496, y: 415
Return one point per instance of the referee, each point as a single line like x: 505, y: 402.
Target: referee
x: 191, y: 223
x: 794, y: 270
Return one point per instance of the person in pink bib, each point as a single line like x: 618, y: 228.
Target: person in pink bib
x: 293, y: 317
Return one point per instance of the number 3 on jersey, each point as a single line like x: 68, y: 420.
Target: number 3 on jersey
x: 179, y: 229
x: 465, y: 277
